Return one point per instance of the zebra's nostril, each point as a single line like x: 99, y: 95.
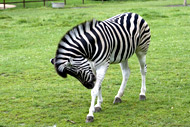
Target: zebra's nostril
x: 93, y: 78
x: 89, y: 85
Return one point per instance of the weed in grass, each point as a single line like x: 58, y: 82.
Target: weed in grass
x: 5, y: 17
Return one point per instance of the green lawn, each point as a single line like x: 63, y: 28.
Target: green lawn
x: 33, y: 95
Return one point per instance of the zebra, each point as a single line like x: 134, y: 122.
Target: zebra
x: 86, y: 51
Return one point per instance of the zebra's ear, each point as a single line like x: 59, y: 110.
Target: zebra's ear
x: 52, y: 61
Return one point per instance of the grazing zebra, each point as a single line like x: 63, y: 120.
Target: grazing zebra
x: 86, y: 51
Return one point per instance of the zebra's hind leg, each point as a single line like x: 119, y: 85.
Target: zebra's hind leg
x: 142, y: 60
x: 125, y: 73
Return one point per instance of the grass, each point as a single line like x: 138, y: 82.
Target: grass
x: 32, y: 94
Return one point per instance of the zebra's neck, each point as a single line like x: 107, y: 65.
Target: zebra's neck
x: 82, y: 38
x: 87, y: 40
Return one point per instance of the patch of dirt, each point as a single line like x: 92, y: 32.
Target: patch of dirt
x: 79, y: 7
x: 179, y: 5
x: 7, y: 6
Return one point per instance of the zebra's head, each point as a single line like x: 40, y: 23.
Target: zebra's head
x: 73, y: 54
x: 80, y: 68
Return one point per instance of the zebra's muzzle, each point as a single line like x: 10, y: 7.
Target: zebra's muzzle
x: 90, y: 85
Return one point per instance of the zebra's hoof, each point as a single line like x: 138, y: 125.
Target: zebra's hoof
x: 142, y: 97
x: 117, y: 100
x: 89, y: 119
x: 98, y: 109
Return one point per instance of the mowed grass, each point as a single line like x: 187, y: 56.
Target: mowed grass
x: 33, y: 95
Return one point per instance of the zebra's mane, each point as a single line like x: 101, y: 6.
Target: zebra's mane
x: 74, y: 34
x: 83, y: 27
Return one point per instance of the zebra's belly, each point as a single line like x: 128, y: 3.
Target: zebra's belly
x: 112, y: 59
x: 123, y: 54
x: 118, y: 59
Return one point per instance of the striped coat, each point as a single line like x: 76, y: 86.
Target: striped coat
x: 86, y: 51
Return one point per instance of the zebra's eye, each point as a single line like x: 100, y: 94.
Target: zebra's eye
x: 68, y: 65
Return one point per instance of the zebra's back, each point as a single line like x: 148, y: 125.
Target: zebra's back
x: 128, y: 32
x: 113, y: 40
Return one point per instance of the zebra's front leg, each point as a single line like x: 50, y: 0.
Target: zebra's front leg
x: 99, y: 101
x: 96, y: 91
x: 125, y: 73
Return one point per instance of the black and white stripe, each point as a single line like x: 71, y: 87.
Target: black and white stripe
x: 113, y: 41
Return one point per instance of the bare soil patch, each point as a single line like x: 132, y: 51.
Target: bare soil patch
x: 179, y: 5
